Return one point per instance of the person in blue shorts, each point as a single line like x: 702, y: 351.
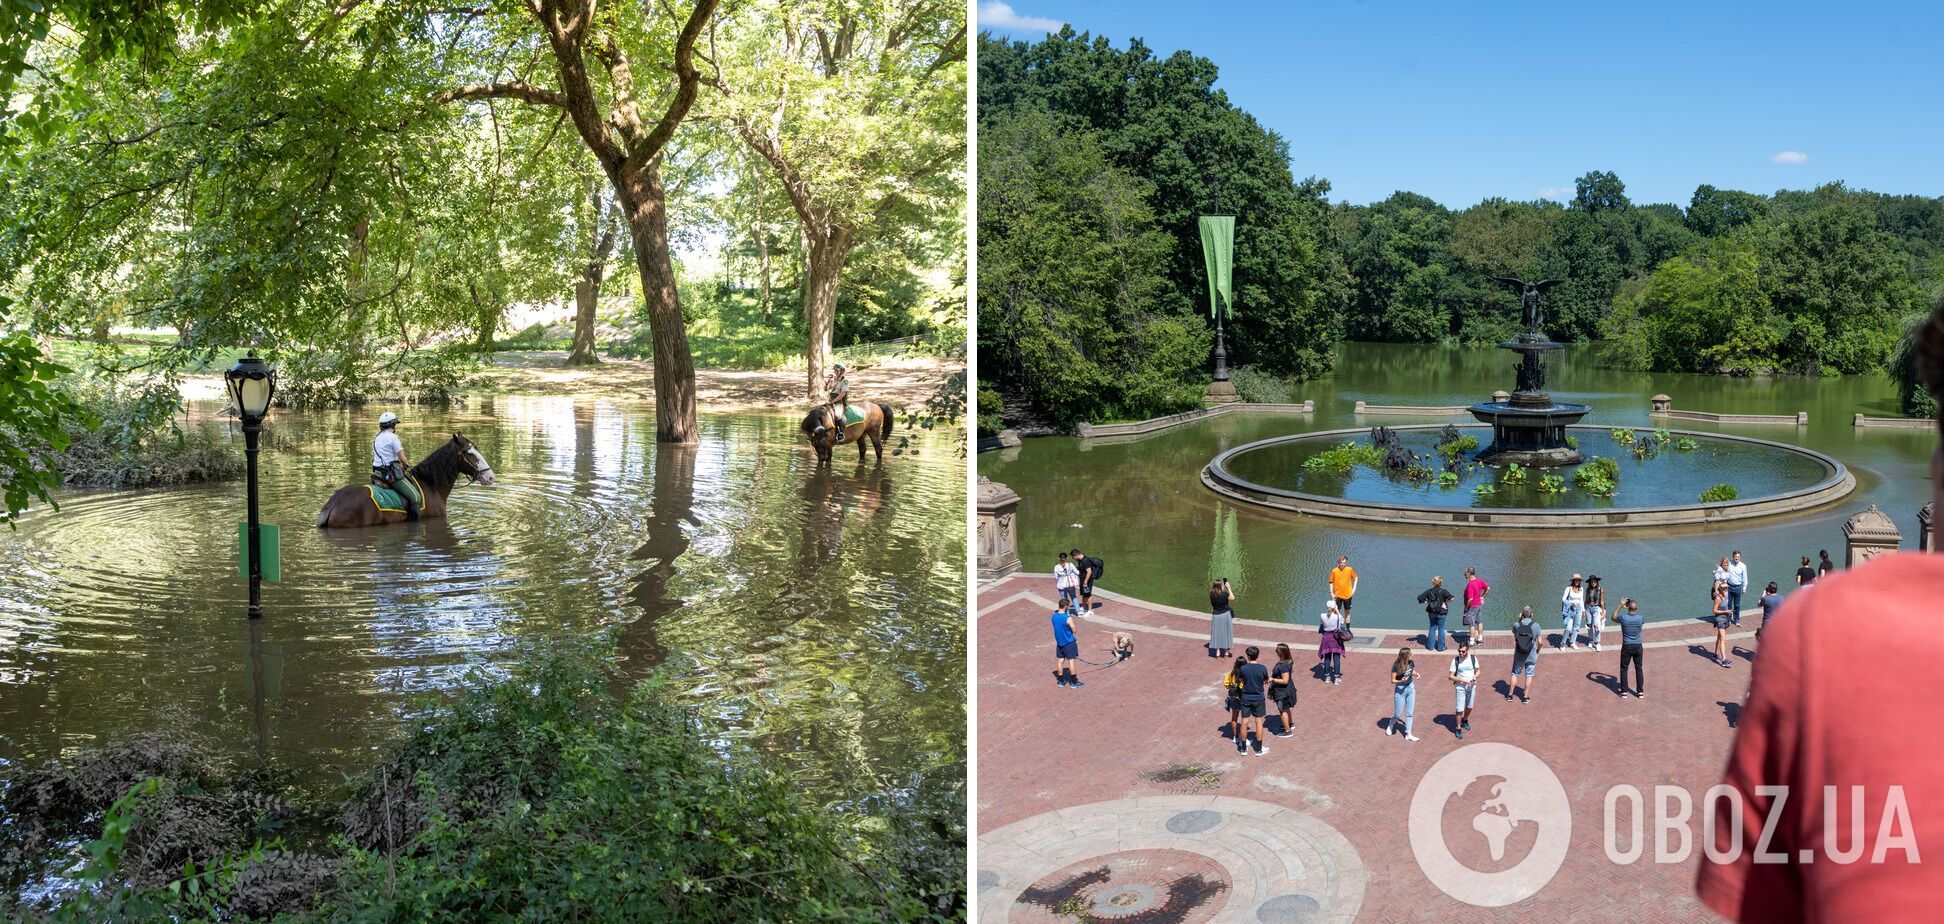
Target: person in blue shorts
x: 1066, y: 649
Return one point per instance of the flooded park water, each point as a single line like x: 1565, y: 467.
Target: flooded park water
x: 1139, y: 503
x: 817, y: 615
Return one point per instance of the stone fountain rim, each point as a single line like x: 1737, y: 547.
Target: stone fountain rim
x: 1836, y: 484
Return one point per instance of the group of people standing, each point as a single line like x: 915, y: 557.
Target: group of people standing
x: 1254, y: 690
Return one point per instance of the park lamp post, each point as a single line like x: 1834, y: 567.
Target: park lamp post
x: 251, y: 385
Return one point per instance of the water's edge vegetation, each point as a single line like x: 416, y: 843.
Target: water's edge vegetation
x: 557, y: 790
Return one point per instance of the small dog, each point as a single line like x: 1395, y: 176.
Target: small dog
x: 1123, y: 646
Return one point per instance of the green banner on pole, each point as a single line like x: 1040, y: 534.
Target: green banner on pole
x: 1218, y: 252
x: 267, y: 549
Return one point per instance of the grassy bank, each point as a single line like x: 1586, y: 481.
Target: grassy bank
x: 554, y: 794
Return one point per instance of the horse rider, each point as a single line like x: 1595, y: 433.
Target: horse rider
x: 839, y: 394
x: 388, y: 461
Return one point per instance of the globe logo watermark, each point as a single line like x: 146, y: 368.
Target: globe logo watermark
x: 1500, y: 806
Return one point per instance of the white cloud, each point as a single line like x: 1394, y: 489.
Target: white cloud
x: 1789, y: 158
x: 1556, y: 192
x: 1000, y: 16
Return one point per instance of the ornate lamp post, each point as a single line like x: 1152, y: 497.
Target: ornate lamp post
x: 251, y: 385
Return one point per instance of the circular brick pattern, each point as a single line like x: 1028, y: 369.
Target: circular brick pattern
x: 1170, y: 858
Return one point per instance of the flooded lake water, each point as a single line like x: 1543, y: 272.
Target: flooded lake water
x: 818, y: 615
x: 1141, y: 507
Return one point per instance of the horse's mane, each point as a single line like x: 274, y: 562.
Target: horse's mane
x: 440, y: 469
x: 820, y: 415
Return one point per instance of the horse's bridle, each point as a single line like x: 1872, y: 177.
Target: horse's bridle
x: 482, y: 467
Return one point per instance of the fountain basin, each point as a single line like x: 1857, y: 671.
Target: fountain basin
x: 1530, y: 435
x: 1773, y: 478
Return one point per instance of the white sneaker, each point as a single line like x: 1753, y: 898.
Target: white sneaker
x: 1410, y: 737
x: 1261, y: 750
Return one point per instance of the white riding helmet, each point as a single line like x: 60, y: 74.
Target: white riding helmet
x: 387, y: 419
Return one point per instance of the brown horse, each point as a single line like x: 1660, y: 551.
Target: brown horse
x: 826, y: 431
x: 354, y: 506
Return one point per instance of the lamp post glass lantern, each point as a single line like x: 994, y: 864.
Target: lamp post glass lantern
x: 251, y: 386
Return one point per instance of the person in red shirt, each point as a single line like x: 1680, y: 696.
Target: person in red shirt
x: 1833, y: 731
x: 1475, y: 590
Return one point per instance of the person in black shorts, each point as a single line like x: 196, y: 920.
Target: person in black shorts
x: 1282, y: 688
x: 1254, y: 688
x: 1089, y: 569
x: 1066, y: 647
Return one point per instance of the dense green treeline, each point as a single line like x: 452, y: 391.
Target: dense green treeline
x: 367, y: 193
x: 1094, y: 162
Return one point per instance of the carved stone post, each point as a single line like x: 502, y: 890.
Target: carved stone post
x: 1659, y: 404
x: 998, y: 542
x: 1924, y: 527
x: 1867, y: 535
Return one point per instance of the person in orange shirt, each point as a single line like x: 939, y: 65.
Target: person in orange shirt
x: 1828, y: 757
x: 1343, y: 585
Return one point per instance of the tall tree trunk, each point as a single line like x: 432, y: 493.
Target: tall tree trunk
x: 827, y: 252
x: 763, y: 258
x: 585, y: 297
x: 643, y: 200
x: 489, y: 318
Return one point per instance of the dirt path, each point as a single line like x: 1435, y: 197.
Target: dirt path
x: 901, y: 382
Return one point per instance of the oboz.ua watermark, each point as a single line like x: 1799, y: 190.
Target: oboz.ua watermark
x: 1490, y: 825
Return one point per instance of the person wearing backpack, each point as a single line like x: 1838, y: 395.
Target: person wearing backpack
x: 1525, y: 655
x: 1066, y: 580
x: 1437, y: 604
x: 1090, y: 570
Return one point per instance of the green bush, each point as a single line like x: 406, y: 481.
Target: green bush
x: 1464, y: 445
x: 1485, y: 490
x: 991, y: 409
x: 1687, y: 444
x: 1600, y: 475
x: 1257, y: 387
x: 1447, y: 479
x: 534, y: 337
x: 1343, y: 457
x: 1572, y: 442
x: 1624, y: 436
x: 131, y: 439
x: 1514, y: 474
x: 1718, y: 493
x: 552, y: 794
x: 1552, y: 484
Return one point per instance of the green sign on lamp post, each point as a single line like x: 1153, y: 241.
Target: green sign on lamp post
x: 1218, y: 254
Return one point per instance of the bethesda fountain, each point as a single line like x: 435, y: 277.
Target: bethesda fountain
x: 1529, y: 428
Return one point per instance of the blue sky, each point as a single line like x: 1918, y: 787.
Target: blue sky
x: 1463, y: 100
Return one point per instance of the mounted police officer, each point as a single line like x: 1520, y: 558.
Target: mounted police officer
x: 388, y: 466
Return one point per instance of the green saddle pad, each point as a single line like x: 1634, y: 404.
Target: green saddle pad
x: 852, y: 417
x: 392, y: 499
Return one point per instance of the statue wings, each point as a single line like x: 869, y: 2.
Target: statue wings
x: 1522, y: 285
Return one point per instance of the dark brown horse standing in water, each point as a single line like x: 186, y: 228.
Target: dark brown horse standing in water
x: 353, y: 506
x: 826, y: 430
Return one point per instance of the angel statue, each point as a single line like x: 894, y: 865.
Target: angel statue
x: 1529, y: 293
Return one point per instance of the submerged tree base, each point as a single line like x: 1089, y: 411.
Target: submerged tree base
x: 547, y: 794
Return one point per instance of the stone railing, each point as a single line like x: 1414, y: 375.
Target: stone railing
x: 1158, y: 424
x: 1663, y: 406
x: 1440, y: 410
x: 1900, y: 423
